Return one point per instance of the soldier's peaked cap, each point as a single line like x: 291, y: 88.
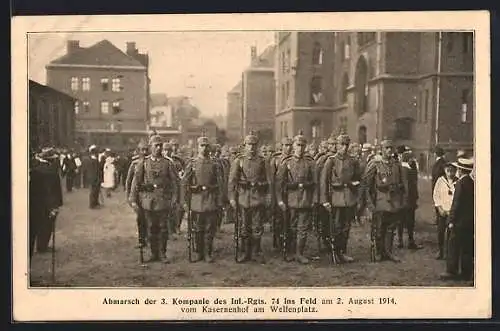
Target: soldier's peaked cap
x: 155, y: 139
x: 299, y: 138
x: 251, y: 138
x: 343, y: 139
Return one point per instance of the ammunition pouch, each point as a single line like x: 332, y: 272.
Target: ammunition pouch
x: 299, y: 186
x: 202, y: 188
x: 150, y: 187
x: 261, y: 186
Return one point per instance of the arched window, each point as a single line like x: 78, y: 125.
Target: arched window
x: 403, y: 128
x: 315, y: 129
x: 317, y: 54
x: 345, y: 86
x: 362, y: 135
x: 316, y: 90
x: 361, y: 92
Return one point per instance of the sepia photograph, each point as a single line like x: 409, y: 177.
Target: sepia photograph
x: 232, y: 159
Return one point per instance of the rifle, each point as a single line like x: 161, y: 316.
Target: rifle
x: 236, y: 231
x: 332, y: 234
x: 189, y: 229
x: 373, y: 241
x: 317, y: 224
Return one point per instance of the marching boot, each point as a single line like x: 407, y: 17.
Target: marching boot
x: 299, y: 255
x: 388, y: 247
x: 155, y: 254
x: 209, y: 249
x: 247, y: 255
x: 257, y: 252
x: 163, y: 253
x: 200, y: 243
x: 291, y: 248
x: 343, y: 249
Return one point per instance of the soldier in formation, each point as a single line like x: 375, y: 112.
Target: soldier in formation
x: 340, y: 178
x: 202, y: 196
x: 383, y: 188
x: 154, y: 188
x: 248, y: 185
x: 142, y: 227
x: 295, y: 188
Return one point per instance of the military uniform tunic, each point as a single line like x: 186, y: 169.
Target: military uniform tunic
x: 142, y: 226
x: 154, y: 188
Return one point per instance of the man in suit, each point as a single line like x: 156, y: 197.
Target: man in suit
x: 45, y: 198
x: 94, y: 177
x: 460, y: 257
x: 439, y: 165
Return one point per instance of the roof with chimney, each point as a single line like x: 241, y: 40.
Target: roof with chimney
x: 103, y: 53
x: 266, y: 58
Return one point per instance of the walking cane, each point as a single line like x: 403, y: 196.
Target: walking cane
x: 53, y: 218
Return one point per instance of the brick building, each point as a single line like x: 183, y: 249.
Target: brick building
x: 234, y: 110
x: 258, y: 95
x: 305, y: 76
x: 111, y: 88
x: 51, y: 117
x: 413, y: 87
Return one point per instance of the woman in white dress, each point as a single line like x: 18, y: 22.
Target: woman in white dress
x: 109, y: 176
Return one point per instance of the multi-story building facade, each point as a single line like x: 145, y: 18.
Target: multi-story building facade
x: 51, y: 117
x: 413, y: 87
x: 304, y: 84
x: 234, y: 131
x: 111, y: 88
x: 258, y: 95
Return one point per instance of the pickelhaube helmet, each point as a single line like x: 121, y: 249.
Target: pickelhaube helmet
x: 299, y: 138
x: 251, y: 138
x: 386, y: 143
x: 332, y: 139
x: 155, y: 139
x: 343, y: 139
x: 203, y: 140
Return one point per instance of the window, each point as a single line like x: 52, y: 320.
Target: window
x: 426, y: 105
x: 463, y: 113
x: 345, y: 86
x: 86, y: 106
x: 86, y: 84
x: 347, y: 49
x: 467, y: 42
x: 74, y: 84
x: 316, y: 90
x: 286, y: 129
x: 315, y: 129
x: 116, y: 107
x: 104, y: 107
x: 449, y: 42
x: 77, y: 107
x: 105, y: 84
x: 283, y: 61
x: 116, y: 85
x: 365, y: 38
x: 317, y: 54
x: 287, y: 60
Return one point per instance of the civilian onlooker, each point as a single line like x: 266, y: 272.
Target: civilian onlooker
x: 438, y: 171
x: 77, y: 183
x: 410, y: 198
x: 94, y: 177
x: 69, y: 168
x: 443, y: 197
x: 109, y: 176
x: 460, y: 255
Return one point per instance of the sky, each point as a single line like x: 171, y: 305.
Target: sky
x: 201, y: 65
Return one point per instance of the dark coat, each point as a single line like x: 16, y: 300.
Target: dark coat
x: 462, y: 207
x: 45, y: 188
x: 410, y: 176
x: 94, y: 171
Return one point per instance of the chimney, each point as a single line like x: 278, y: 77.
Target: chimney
x: 131, y: 49
x: 253, y: 53
x: 72, y: 46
